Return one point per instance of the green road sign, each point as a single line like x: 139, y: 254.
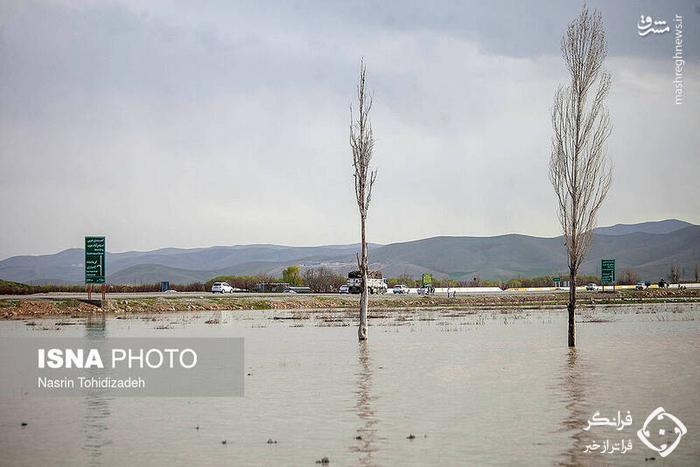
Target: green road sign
x: 95, y: 253
x: 427, y: 280
x: 607, y: 271
x: 557, y: 280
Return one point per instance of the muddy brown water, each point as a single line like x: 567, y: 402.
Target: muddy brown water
x: 486, y: 388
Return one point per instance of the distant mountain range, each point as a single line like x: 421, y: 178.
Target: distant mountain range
x: 654, y: 227
x: 648, y: 248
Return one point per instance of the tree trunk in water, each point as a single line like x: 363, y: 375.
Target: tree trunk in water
x: 572, y: 309
x: 364, y: 295
x: 364, y: 304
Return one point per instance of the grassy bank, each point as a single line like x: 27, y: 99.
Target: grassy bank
x: 18, y: 309
x: 18, y: 288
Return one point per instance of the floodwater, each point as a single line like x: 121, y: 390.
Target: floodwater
x: 486, y: 388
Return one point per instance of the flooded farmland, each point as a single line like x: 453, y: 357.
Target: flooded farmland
x: 430, y: 387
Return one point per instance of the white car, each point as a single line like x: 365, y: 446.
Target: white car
x: 221, y: 287
x: 400, y: 289
x: 344, y: 289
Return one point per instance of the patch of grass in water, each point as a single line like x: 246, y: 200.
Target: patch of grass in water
x: 258, y: 305
x: 145, y: 301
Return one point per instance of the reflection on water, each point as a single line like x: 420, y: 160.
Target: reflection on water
x: 96, y: 406
x: 96, y: 413
x: 573, y: 387
x: 367, y: 432
x: 475, y: 389
x: 96, y: 327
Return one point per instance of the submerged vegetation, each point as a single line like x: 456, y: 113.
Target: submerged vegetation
x: 300, y: 303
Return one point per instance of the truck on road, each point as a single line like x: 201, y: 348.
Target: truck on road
x: 375, y: 283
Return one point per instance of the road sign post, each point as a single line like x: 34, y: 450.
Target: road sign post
x: 427, y: 282
x: 95, y: 264
x: 607, y: 273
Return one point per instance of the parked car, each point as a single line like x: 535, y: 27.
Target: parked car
x: 400, y: 289
x: 639, y: 285
x: 344, y: 289
x: 591, y: 286
x: 221, y: 287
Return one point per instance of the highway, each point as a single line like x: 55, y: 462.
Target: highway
x: 134, y: 295
x: 413, y: 293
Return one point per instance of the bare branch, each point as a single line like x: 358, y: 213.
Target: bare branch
x: 578, y: 169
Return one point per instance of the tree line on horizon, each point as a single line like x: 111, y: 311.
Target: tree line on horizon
x: 325, y: 280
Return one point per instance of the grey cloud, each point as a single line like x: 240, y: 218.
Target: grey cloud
x: 181, y: 125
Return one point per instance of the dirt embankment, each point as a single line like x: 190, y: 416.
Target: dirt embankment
x: 28, y: 308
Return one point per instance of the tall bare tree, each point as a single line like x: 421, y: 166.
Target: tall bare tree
x: 579, y: 168
x: 675, y: 276
x: 362, y: 144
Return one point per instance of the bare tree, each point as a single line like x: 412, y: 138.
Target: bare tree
x: 629, y: 277
x: 362, y: 144
x: 674, y: 276
x: 578, y: 168
x: 323, y: 279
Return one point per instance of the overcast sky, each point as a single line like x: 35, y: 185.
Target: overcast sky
x: 187, y: 124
